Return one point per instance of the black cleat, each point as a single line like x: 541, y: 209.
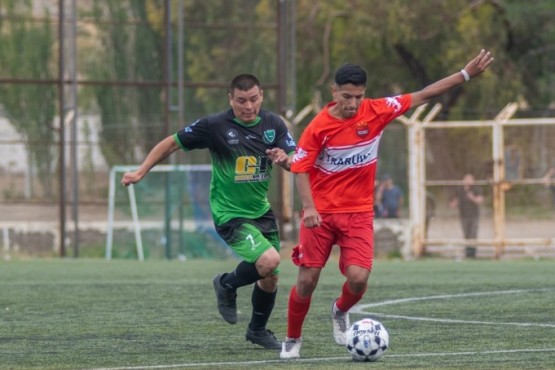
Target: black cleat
x: 227, y: 301
x: 264, y: 338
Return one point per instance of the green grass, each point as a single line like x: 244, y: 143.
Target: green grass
x: 89, y: 314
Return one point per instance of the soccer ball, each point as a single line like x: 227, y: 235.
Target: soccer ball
x: 367, y: 340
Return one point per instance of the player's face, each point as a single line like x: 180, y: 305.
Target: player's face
x: 348, y: 98
x: 246, y: 104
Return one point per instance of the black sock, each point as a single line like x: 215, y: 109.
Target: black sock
x: 244, y: 274
x: 262, y: 306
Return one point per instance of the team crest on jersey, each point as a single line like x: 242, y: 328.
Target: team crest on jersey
x: 362, y: 129
x: 232, y: 137
x: 269, y: 136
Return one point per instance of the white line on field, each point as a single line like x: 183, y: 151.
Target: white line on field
x: 534, y: 324
x: 322, y: 359
x: 360, y: 309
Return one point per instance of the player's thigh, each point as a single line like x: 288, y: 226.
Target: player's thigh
x: 245, y: 239
x: 315, y: 244
x: 356, y: 240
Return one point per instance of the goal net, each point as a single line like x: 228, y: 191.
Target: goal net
x: 166, y: 215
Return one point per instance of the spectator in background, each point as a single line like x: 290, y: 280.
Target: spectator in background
x: 467, y: 199
x: 430, y: 211
x: 390, y: 197
x: 549, y: 182
x: 512, y: 163
x: 377, y: 198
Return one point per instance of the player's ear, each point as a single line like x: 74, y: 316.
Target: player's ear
x: 261, y: 94
x: 230, y: 97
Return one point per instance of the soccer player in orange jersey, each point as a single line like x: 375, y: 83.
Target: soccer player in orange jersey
x: 335, y: 166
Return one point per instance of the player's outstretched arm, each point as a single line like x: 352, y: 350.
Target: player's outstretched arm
x: 160, y: 152
x: 472, y: 69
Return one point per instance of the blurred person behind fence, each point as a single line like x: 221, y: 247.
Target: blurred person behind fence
x: 467, y: 198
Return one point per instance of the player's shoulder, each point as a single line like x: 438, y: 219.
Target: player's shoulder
x: 270, y: 117
x: 218, y: 117
x: 395, y: 103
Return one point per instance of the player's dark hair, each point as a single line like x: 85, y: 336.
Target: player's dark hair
x: 350, y: 74
x: 243, y: 82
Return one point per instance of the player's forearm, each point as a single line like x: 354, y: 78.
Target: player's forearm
x: 160, y: 152
x: 472, y: 69
x: 303, y: 188
x: 437, y: 88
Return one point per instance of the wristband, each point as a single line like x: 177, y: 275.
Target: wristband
x: 465, y: 75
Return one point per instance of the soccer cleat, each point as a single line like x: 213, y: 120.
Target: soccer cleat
x: 291, y: 348
x: 264, y: 338
x: 227, y: 301
x: 340, y: 324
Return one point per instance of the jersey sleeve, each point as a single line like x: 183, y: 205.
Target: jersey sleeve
x: 391, y: 107
x: 285, y: 140
x: 307, y: 151
x: 195, y: 136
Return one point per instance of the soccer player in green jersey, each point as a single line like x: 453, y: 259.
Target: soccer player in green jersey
x: 244, y: 143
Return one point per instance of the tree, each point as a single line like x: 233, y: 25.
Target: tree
x: 130, y: 50
x: 31, y: 108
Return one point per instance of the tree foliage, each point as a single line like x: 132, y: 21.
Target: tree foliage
x: 26, y: 50
x: 131, y: 49
x: 404, y: 45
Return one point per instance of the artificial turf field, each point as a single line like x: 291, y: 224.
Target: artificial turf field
x: 124, y: 314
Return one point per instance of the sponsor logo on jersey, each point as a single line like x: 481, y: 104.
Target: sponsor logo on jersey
x: 251, y: 169
x: 232, y: 136
x: 341, y: 158
x: 269, y: 136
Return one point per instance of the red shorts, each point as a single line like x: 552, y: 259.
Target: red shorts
x: 352, y: 232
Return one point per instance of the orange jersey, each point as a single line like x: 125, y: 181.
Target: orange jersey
x: 340, y: 156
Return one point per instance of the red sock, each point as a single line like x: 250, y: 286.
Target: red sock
x: 296, y: 312
x: 348, y: 299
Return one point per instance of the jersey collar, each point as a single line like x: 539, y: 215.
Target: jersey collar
x: 249, y: 124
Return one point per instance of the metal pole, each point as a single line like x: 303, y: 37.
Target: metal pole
x: 282, y: 201
x: 168, y: 77
x: 62, y: 164
x: 74, y: 152
x: 180, y: 113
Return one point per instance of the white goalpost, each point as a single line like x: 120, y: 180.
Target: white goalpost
x: 196, y: 193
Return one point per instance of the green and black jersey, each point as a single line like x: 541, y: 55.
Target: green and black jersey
x: 241, y: 170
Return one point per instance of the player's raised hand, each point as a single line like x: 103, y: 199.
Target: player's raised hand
x: 479, y: 64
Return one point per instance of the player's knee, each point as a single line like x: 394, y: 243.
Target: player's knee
x: 306, y: 284
x: 269, y: 284
x: 268, y: 263
x: 357, y: 284
x: 357, y: 287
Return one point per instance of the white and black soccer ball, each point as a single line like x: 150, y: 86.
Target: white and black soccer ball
x: 367, y: 340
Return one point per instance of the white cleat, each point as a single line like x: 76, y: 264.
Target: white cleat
x: 290, y: 349
x: 340, y: 324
